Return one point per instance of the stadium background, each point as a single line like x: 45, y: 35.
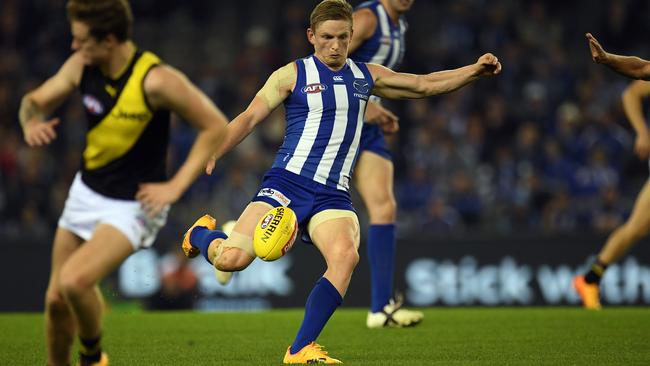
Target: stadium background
x: 518, y: 177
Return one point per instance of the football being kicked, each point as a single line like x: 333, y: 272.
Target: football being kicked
x: 275, y: 233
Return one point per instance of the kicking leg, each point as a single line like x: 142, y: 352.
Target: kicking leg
x: 228, y: 253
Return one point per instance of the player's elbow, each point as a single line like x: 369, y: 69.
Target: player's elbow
x: 628, y: 95
x: 644, y: 73
x: 422, y: 87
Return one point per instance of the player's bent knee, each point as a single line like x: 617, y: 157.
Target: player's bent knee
x: 383, y: 211
x: 73, y: 284
x: 55, y: 303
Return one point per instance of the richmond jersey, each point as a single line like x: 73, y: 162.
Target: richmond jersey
x: 386, y: 46
x: 126, y: 142
x: 324, y: 119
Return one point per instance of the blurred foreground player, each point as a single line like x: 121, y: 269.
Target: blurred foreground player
x: 120, y: 198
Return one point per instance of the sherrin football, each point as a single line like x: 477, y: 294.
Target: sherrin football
x: 275, y: 233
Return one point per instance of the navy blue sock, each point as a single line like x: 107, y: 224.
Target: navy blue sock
x: 201, y: 238
x: 381, y: 256
x: 321, y: 304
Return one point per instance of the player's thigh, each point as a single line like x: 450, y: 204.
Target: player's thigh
x: 373, y: 178
x: 336, y: 235
x: 65, y: 244
x: 250, y: 217
x: 640, y: 218
x: 96, y: 258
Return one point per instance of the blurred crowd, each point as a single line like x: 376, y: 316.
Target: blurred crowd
x: 543, y: 147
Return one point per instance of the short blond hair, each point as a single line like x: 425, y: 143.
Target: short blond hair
x: 330, y: 10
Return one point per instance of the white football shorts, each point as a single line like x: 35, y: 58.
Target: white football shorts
x: 85, y: 209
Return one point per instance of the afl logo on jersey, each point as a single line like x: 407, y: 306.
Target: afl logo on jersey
x: 314, y: 88
x: 93, y: 105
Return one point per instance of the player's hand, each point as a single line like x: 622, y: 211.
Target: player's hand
x: 488, y: 65
x: 642, y: 146
x: 597, y: 52
x: 387, y: 120
x: 209, y: 167
x: 154, y: 197
x: 39, y: 133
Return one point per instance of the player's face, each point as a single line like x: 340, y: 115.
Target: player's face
x: 401, y: 6
x: 331, y: 40
x: 93, y: 51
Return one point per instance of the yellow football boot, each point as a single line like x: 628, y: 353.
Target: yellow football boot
x: 311, y: 353
x: 206, y: 221
x: 588, y: 292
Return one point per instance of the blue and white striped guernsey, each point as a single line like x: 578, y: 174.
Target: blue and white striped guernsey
x: 324, y: 120
x: 386, y: 46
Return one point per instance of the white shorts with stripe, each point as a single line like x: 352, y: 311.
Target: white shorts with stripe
x: 85, y: 209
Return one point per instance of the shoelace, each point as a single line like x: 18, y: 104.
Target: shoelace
x: 396, y: 303
x: 319, y: 348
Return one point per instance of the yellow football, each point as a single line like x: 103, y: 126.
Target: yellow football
x: 275, y: 233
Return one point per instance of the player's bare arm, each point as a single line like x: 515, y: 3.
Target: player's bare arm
x: 167, y: 88
x: 630, y: 66
x: 39, y: 103
x: 632, y: 105
x: 364, y: 25
x: 393, y: 85
x: 277, y: 88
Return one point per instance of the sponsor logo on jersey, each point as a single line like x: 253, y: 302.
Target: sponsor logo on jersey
x: 275, y: 195
x: 338, y: 78
x: 93, y: 105
x: 314, y: 88
x: 137, y: 117
x: 361, y: 85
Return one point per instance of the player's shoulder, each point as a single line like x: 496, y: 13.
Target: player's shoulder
x: 366, y: 14
x: 366, y: 5
x: 377, y: 70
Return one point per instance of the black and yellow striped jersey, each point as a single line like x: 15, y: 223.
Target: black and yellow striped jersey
x: 126, y: 142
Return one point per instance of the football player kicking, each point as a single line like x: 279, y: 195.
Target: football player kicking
x: 325, y: 97
x: 638, y: 224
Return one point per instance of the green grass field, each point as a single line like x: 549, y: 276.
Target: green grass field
x: 464, y: 336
